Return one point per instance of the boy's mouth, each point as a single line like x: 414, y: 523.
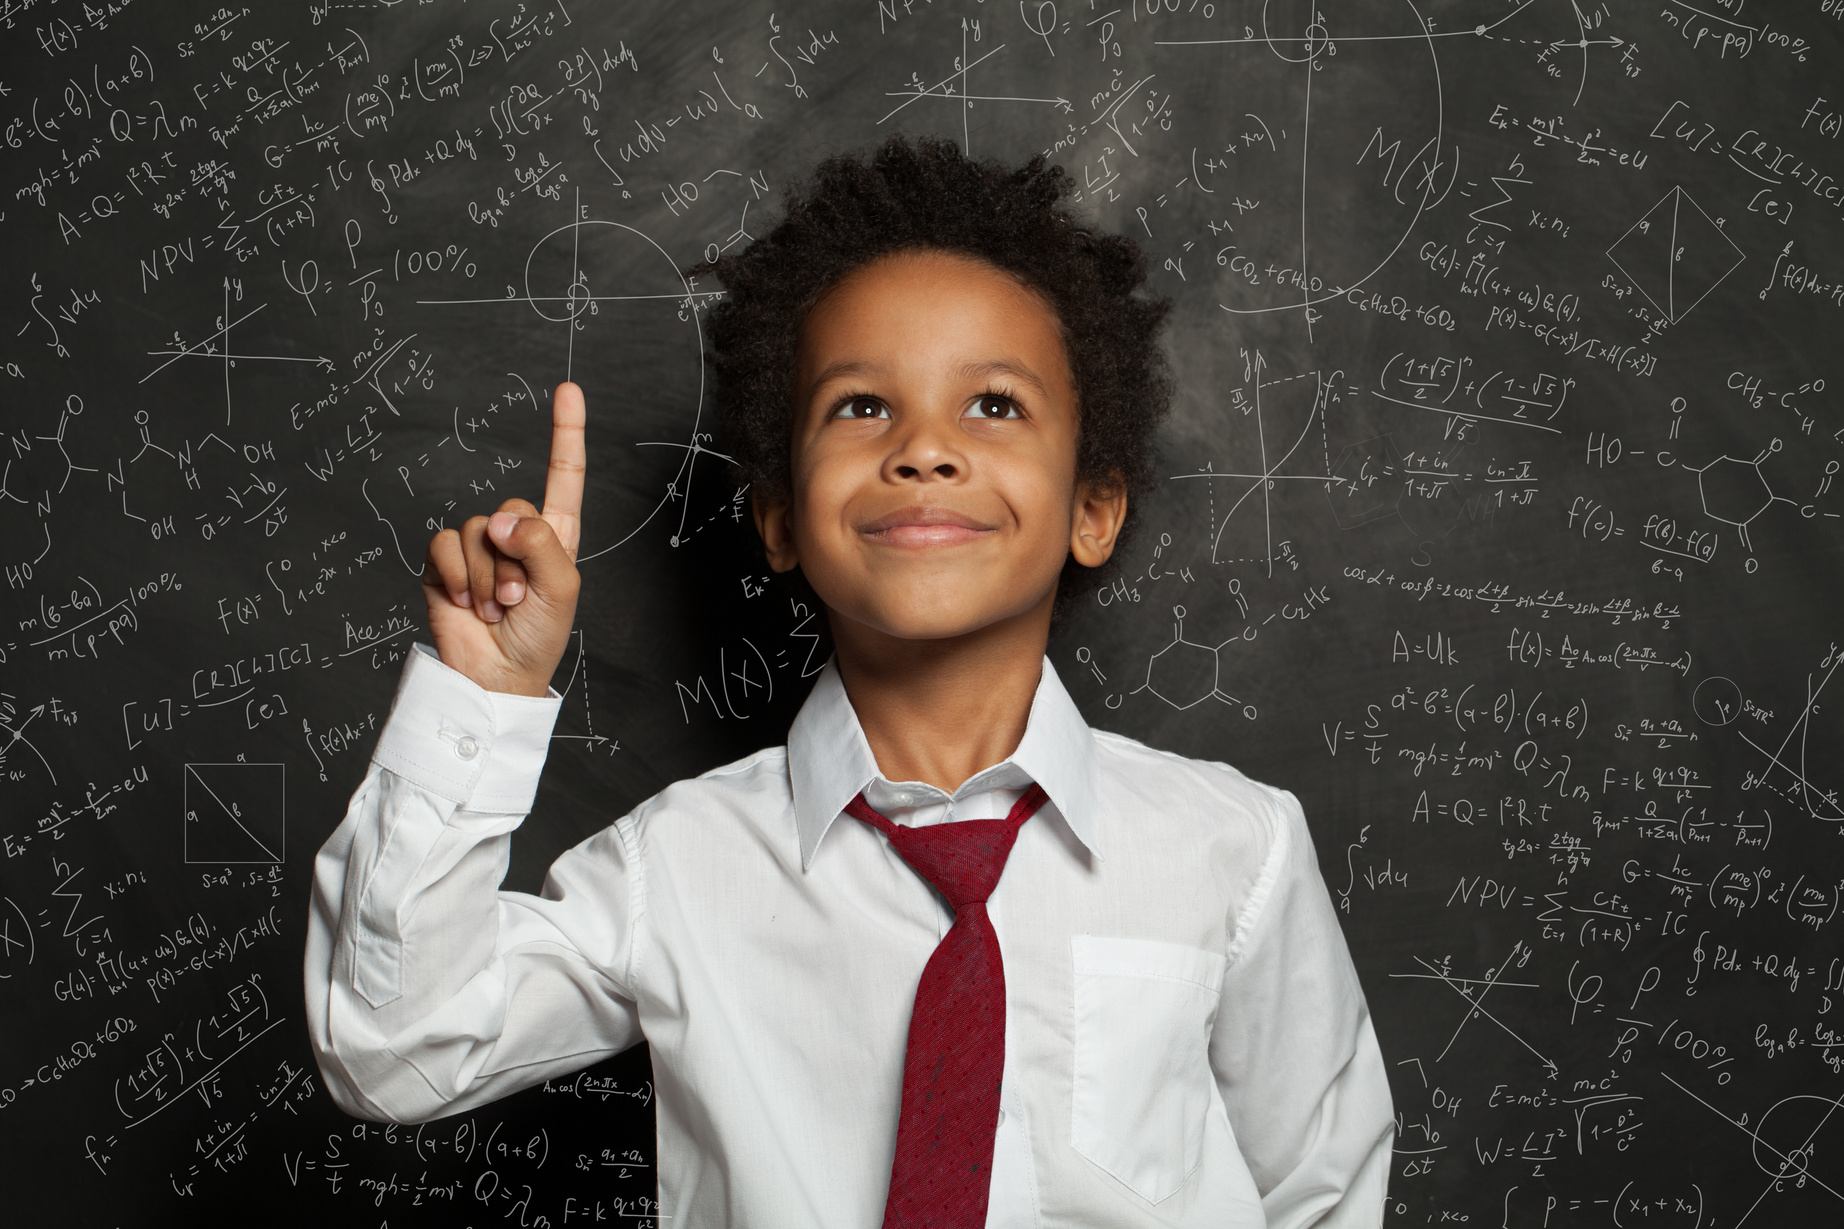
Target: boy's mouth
x: 919, y: 527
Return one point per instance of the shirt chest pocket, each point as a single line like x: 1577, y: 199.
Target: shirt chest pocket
x: 1142, y: 1092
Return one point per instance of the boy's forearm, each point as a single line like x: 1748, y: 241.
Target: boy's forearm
x: 406, y: 916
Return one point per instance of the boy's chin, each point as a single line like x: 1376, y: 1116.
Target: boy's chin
x: 940, y: 616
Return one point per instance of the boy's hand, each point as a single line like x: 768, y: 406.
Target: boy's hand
x: 502, y: 590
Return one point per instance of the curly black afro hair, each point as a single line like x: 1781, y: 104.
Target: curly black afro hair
x: 926, y: 195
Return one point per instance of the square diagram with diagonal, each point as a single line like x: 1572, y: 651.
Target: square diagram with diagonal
x: 235, y: 813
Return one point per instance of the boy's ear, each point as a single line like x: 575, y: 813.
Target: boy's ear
x: 775, y: 525
x: 1099, y: 513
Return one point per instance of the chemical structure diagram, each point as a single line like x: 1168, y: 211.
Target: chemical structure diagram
x: 1185, y: 673
x: 1736, y: 492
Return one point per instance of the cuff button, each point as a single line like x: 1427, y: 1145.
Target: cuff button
x: 467, y: 748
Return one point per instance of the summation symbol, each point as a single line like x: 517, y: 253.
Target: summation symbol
x: 1675, y: 255
x: 1184, y: 673
x: 1735, y: 491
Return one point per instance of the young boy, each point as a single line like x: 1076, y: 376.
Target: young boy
x: 950, y: 957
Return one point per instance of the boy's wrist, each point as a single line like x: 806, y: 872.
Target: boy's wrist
x: 476, y: 747
x: 503, y: 678
x: 527, y: 685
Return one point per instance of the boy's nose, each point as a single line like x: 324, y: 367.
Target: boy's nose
x: 941, y: 469
x: 926, y: 452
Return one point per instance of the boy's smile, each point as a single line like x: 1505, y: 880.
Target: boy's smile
x: 934, y: 429
x: 922, y: 526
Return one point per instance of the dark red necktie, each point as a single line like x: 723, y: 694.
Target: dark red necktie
x: 942, y: 1174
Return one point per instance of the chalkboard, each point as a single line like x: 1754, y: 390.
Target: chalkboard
x: 1499, y: 520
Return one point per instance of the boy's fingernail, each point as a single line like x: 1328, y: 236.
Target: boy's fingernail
x: 511, y: 592
x: 464, y: 598
x: 501, y: 524
x: 492, y: 611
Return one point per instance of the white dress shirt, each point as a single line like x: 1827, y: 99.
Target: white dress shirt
x: 1186, y: 1041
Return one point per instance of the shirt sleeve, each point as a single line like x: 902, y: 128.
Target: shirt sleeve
x: 1293, y: 1049
x: 429, y: 990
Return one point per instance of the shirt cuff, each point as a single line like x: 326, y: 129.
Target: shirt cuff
x: 479, y: 749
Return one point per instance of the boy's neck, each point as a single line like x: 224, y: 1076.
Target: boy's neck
x: 939, y: 711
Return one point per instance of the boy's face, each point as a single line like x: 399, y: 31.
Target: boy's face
x: 934, y: 426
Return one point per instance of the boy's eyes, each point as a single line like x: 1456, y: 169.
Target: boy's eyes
x: 987, y: 406
x: 993, y: 405
x: 862, y: 407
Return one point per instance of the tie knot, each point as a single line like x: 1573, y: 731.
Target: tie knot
x: 962, y: 860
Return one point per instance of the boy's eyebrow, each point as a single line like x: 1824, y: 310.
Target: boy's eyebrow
x: 999, y: 367
x: 969, y: 370
x: 845, y: 367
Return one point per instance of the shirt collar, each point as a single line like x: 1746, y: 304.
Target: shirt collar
x: 829, y: 760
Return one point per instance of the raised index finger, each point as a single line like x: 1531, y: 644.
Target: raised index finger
x: 563, y: 481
